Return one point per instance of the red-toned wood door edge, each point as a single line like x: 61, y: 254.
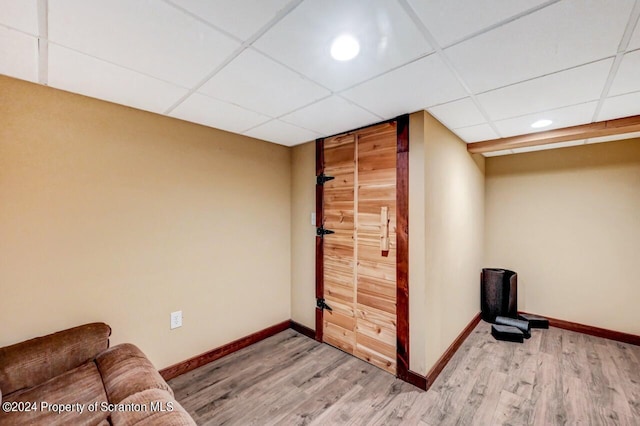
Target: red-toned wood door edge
x: 402, y: 230
x: 402, y: 250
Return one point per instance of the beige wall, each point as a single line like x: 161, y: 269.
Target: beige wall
x: 417, y: 245
x: 113, y: 214
x: 568, y: 221
x: 454, y: 236
x: 303, y: 247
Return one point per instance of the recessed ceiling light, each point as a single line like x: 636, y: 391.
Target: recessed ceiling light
x: 541, y: 123
x: 345, y: 47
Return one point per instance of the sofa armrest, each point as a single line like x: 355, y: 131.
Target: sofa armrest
x: 157, y: 407
x: 126, y: 370
x: 35, y: 361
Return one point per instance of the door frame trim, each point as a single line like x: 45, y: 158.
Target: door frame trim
x: 402, y: 248
x: 319, y: 241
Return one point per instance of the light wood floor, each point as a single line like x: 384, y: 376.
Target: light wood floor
x: 556, y: 377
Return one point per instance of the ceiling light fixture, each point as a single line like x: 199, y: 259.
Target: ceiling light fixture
x: 345, y: 48
x: 541, y: 123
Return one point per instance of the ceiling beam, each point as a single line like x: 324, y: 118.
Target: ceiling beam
x: 618, y: 126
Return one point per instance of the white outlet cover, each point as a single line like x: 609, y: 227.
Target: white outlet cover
x: 313, y: 219
x: 176, y: 319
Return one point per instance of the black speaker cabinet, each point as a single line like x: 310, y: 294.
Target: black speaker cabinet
x: 498, y: 294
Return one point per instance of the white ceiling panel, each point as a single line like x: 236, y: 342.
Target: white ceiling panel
x: 461, y: 113
x: 480, y: 132
x: 20, y: 14
x: 282, y: 133
x: 214, y: 113
x: 78, y: 73
x: 451, y: 20
x: 302, y: 40
x: 414, y: 87
x: 241, y: 18
x: 620, y: 106
x: 560, y: 36
x: 614, y: 138
x: 628, y: 76
x: 151, y: 37
x: 634, y: 43
x: 548, y: 146
x: 18, y: 55
x: 561, y: 117
x: 331, y: 116
x: 574, y: 86
x: 255, y: 82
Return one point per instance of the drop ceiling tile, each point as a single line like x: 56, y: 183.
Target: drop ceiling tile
x: 211, y: 112
x: 541, y: 43
x: 634, y: 43
x: 331, y: 116
x: 282, y: 133
x: 302, y: 40
x: 18, y: 55
x: 561, y: 117
x: 255, y: 82
x: 20, y: 14
x: 151, y: 37
x: 78, y: 73
x: 413, y: 87
x: 461, y: 113
x: 614, y: 138
x: 449, y: 21
x: 242, y: 18
x: 620, y: 106
x: 497, y: 153
x: 574, y: 86
x: 549, y: 146
x: 627, y: 78
x: 480, y: 132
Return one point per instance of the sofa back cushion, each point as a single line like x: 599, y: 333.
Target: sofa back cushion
x: 35, y: 361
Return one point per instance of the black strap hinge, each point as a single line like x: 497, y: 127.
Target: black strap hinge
x: 320, y: 303
x: 320, y: 180
x: 321, y: 232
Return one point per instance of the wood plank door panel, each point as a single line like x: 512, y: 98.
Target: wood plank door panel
x: 339, y: 248
x: 359, y: 277
x: 376, y: 270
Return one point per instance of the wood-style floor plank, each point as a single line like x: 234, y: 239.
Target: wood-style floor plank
x: 555, y: 377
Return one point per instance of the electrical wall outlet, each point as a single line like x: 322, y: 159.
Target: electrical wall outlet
x: 176, y: 319
x: 313, y: 219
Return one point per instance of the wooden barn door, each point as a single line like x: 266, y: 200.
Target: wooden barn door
x: 357, y: 239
